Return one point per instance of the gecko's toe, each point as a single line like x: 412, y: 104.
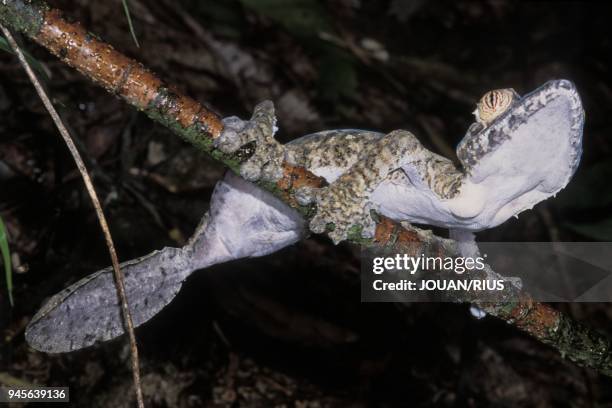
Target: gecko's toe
x: 230, y: 138
x: 305, y: 195
x: 368, y: 223
x: 318, y: 225
x: 338, y: 235
x: 369, y: 228
x: 250, y: 171
x: 273, y: 169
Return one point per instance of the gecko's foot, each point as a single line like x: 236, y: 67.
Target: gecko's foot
x: 338, y: 206
x: 267, y: 159
x: 305, y: 195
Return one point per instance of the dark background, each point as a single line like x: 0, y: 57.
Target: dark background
x: 289, y: 329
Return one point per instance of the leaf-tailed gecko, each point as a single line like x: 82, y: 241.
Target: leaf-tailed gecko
x: 518, y: 152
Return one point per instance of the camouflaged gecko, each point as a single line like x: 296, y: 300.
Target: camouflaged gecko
x: 520, y: 151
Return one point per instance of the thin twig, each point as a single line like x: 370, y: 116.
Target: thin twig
x: 118, y: 274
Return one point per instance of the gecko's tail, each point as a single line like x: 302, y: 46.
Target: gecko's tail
x: 88, y: 311
x: 243, y: 221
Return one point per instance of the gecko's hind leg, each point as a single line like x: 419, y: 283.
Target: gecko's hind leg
x: 345, y: 202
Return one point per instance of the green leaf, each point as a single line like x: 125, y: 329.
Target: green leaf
x: 6, y: 257
x: 590, y: 189
x: 126, y: 10
x: 34, y: 63
x: 600, y: 230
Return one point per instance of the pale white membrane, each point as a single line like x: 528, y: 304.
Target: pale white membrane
x: 244, y: 221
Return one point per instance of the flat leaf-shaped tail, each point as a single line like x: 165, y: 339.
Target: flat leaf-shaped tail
x: 88, y: 311
x: 244, y: 221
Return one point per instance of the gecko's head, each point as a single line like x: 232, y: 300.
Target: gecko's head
x: 523, y: 149
x: 551, y: 118
x: 493, y: 104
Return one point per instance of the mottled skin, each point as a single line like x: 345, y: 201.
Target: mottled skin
x: 366, y: 159
x: 268, y: 157
x: 370, y: 158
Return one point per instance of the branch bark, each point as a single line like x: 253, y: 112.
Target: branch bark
x: 199, y: 125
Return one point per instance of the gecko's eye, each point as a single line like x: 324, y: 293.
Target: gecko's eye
x: 493, y: 104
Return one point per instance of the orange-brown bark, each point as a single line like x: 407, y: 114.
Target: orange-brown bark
x: 121, y: 75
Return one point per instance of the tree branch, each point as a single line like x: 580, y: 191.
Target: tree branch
x: 199, y: 125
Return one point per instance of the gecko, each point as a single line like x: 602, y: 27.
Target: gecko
x: 519, y: 151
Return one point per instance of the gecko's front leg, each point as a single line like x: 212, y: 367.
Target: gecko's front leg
x: 345, y: 202
x: 266, y: 161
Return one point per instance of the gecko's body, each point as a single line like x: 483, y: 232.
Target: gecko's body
x: 511, y: 158
x: 529, y: 164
